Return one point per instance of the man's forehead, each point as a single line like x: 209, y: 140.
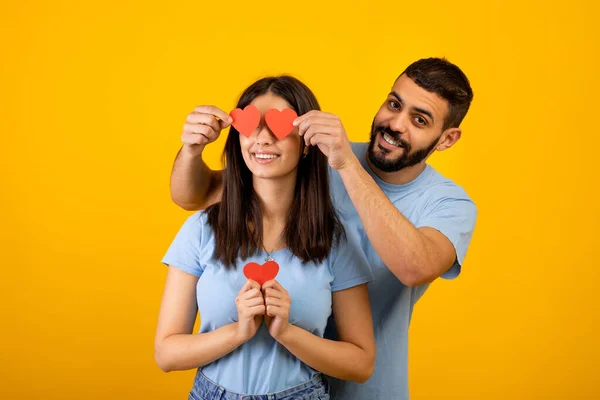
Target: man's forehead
x: 413, y: 95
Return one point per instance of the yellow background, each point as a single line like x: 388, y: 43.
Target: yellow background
x: 93, y: 96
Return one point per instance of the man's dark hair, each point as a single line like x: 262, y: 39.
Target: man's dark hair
x: 439, y: 76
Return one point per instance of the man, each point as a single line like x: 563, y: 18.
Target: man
x: 413, y: 224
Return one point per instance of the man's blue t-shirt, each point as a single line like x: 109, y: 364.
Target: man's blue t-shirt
x: 430, y: 200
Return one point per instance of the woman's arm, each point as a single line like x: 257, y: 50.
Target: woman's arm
x: 176, y: 348
x: 352, y: 357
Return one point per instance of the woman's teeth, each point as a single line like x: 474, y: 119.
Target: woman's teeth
x: 391, y: 141
x: 265, y: 156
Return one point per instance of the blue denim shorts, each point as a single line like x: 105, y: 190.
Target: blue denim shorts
x: 205, y: 389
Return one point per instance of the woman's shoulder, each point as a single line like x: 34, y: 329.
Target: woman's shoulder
x: 200, y: 217
x: 197, y: 225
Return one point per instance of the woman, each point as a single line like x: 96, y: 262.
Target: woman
x: 267, y: 338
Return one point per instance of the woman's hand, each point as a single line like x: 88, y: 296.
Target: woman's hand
x: 277, y: 303
x: 250, y: 307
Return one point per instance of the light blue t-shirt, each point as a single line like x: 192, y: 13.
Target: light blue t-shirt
x: 430, y: 200
x: 262, y: 365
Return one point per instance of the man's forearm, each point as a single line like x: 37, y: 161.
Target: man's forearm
x: 191, y: 181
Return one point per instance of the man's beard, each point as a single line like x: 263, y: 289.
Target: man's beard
x: 407, y: 159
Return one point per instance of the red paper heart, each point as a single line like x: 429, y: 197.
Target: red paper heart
x: 280, y: 122
x: 261, y: 273
x: 246, y: 120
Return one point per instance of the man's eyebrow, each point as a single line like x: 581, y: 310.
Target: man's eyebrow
x: 397, y: 96
x: 423, y: 111
x: 417, y: 109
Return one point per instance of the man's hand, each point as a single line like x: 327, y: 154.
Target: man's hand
x: 203, y: 126
x: 326, y: 131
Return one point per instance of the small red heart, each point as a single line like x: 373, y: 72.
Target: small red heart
x: 246, y: 120
x: 280, y: 122
x: 261, y: 273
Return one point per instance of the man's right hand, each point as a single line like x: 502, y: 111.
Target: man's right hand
x: 203, y: 126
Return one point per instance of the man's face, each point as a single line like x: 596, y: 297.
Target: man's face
x: 407, y: 127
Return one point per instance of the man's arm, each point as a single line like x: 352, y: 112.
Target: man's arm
x: 194, y: 186
x: 415, y: 255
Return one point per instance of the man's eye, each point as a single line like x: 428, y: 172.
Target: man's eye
x: 420, y: 120
x: 394, y: 104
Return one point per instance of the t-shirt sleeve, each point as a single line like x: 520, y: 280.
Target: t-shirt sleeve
x: 454, y: 216
x: 184, y: 252
x: 348, y: 264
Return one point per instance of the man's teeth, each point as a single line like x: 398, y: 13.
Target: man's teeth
x: 391, y: 141
x: 265, y: 156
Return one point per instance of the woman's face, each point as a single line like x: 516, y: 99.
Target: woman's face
x: 264, y: 154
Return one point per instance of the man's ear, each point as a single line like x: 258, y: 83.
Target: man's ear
x: 448, y: 138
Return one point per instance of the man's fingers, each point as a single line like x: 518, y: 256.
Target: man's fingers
x: 201, y: 129
x: 306, y: 124
x: 225, y: 123
x: 313, y: 113
x: 216, y: 111
x: 319, y: 129
x: 321, y: 138
x: 193, y: 138
x: 204, y: 119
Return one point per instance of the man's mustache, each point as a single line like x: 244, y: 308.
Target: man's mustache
x: 396, y: 136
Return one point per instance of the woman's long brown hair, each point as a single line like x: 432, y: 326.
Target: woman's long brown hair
x: 313, y: 226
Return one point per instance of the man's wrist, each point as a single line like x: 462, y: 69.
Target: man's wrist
x: 351, y: 162
x: 193, y: 151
